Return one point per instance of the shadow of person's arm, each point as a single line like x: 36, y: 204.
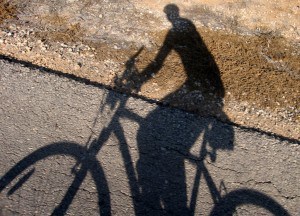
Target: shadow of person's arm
x: 157, y: 63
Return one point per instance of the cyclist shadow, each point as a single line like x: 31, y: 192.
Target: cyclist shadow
x: 165, y: 136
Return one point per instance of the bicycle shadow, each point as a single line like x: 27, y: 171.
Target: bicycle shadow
x: 165, y: 139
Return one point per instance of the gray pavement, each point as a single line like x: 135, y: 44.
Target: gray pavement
x: 145, y: 159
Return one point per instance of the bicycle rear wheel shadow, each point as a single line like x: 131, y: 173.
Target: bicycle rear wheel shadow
x: 229, y: 204
x: 69, y: 149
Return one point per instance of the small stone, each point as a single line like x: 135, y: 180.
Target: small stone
x: 63, y: 45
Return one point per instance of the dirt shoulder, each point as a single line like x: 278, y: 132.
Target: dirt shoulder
x: 258, y: 62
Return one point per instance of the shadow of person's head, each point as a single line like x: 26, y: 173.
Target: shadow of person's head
x: 172, y: 12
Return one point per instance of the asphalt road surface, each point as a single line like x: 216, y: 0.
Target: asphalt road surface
x: 69, y: 147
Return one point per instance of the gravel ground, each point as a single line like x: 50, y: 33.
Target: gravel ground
x: 256, y: 50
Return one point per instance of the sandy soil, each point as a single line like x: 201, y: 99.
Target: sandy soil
x: 254, y: 45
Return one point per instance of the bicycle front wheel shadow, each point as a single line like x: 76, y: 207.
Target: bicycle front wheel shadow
x: 247, y: 202
x: 46, y: 182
